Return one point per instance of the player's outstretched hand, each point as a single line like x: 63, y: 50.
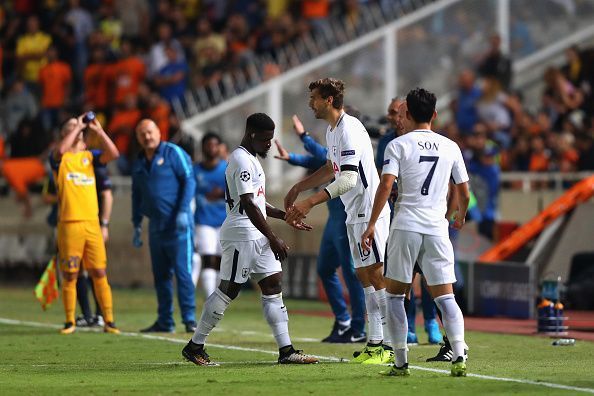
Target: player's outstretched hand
x: 298, y: 125
x: 367, y: 237
x: 301, y: 226
x: 297, y: 212
x: 279, y: 248
x: 291, y: 197
x: 137, y: 238
x: 283, y: 154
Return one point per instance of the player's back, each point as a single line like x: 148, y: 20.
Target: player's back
x: 426, y: 163
x: 243, y: 175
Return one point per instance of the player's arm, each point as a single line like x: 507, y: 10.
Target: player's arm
x: 136, y: 214
x: 68, y: 140
x: 381, y: 197
x: 182, y: 166
x: 452, y: 201
x: 277, y: 213
x: 252, y: 211
x: 110, y: 151
x: 462, y: 192
x: 105, y: 212
x: 319, y: 177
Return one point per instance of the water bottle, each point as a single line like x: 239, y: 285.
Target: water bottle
x: 546, y: 316
x: 558, y: 308
x: 564, y: 342
x: 88, y: 117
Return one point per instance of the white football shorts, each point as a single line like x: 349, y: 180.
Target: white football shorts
x: 207, y: 240
x: 434, y: 254
x: 363, y: 258
x: 244, y: 259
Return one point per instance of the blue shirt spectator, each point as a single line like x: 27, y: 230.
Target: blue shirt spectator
x: 209, y: 212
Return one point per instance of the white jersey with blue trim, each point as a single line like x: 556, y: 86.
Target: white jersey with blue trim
x: 424, y: 162
x: 349, y: 148
x: 243, y: 175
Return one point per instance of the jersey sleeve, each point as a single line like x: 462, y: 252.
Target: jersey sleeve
x: 243, y: 175
x: 392, y: 158
x: 459, y: 173
x: 349, y: 151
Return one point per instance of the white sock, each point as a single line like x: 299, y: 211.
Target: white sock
x: 276, y: 315
x: 208, y: 280
x: 196, y: 265
x: 345, y: 323
x: 374, y: 317
x: 212, y: 312
x: 453, y: 322
x: 382, y: 302
x: 398, y: 325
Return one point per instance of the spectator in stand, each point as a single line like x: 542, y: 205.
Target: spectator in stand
x: 585, y: 147
x: 464, y: 106
x: 540, y: 156
x: 25, y: 166
x: 83, y: 24
x: 496, y: 64
x: 19, y: 105
x: 159, y: 111
x: 134, y: 15
x: 560, y: 97
x: 157, y: 58
x: 96, y: 80
x: 110, y: 26
x: 481, y: 160
x: 239, y: 41
x: 54, y: 79
x: 172, y: 78
x: 493, y: 112
x: 122, y: 126
x: 317, y: 13
x: 127, y: 73
x: 31, y: 52
x: 206, y: 40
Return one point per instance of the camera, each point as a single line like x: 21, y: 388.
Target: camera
x: 88, y: 117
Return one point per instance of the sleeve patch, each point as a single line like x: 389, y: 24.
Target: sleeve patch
x: 347, y: 152
x: 244, y: 176
x: 386, y: 162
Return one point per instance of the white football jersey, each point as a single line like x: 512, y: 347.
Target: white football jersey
x: 349, y: 148
x: 423, y: 162
x: 243, y: 175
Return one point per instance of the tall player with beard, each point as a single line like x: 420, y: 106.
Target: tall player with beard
x: 351, y: 162
x: 250, y: 248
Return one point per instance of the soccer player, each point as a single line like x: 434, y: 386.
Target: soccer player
x: 351, y: 163
x: 334, y: 250
x: 210, y: 211
x: 423, y: 162
x: 250, y: 248
x: 79, y: 232
x: 163, y: 185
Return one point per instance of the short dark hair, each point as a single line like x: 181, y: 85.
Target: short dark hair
x: 259, y: 122
x: 211, y: 135
x: 330, y: 87
x: 421, y: 104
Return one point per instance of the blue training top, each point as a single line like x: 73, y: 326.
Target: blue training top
x: 210, y: 213
x: 162, y: 188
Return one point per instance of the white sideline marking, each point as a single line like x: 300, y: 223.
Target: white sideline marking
x: 328, y: 358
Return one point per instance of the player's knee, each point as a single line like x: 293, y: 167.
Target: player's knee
x: 70, y: 276
x: 97, y: 273
x: 230, y: 289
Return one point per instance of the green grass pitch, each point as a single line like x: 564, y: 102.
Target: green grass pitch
x: 35, y: 359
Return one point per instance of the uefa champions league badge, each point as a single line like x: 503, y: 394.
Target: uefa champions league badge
x: 160, y: 161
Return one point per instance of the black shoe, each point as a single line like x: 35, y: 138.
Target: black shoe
x: 190, y: 327
x: 196, y: 354
x: 339, y: 334
x: 81, y: 321
x: 157, y: 328
x: 296, y: 356
x: 444, y: 355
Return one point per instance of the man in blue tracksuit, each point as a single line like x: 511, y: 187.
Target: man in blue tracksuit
x: 334, y: 251
x: 163, y: 185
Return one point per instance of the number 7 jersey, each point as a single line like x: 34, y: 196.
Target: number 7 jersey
x: 243, y: 175
x: 424, y: 162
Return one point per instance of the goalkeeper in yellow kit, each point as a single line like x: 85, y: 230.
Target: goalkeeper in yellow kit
x: 79, y: 233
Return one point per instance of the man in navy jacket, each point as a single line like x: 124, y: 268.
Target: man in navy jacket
x: 163, y: 185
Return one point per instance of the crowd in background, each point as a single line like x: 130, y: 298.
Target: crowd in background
x: 130, y: 59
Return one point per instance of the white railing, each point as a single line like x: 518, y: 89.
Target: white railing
x: 427, y: 47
